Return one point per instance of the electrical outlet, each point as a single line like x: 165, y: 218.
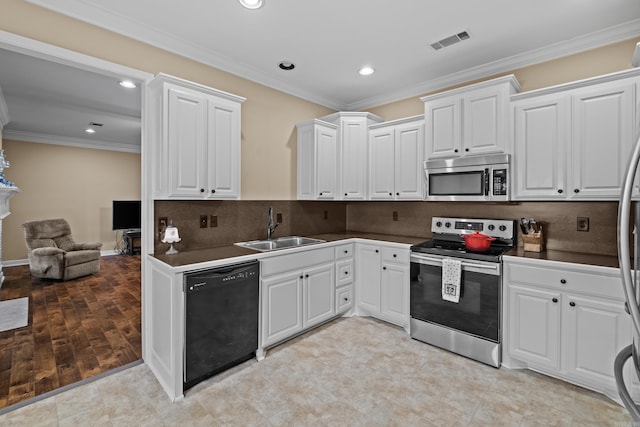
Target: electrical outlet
x: 279, y: 218
x: 395, y: 215
x: 583, y: 223
x: 204, y: 221
x: 162, y: 223
x: 213, y: 221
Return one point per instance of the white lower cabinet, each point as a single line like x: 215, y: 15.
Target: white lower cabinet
x: 534, y: 325
x: 298, y: 292
x: 596, y: 331
x: 281, y: 307
x: 318, y: 294
x: 344, y: 278
x: 565, y: 320
x: 382, y: 282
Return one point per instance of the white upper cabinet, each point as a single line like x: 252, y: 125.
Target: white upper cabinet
x: 601, y: 138
x: 334, y: 166
x: 396, y: 153
x: 470, y: 120
x: 197, y: 134
x: 443, y: 126
x: 224, y: 148
x: 540, y: 152
x: 573, y: 143
x: 352, y: 140
x: 317, y: 166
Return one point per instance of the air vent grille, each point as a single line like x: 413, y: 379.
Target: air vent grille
x: 448, y: 41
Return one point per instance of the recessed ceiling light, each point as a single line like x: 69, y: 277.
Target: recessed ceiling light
x: 366, y: 71
x: 252, y: 4
x: 90, y: 130
x: 286, y: 65
x: 127, y: 83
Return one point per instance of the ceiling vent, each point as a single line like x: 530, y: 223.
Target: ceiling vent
x: 448, y: 41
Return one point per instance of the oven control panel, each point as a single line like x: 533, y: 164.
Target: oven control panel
x: 499, y: 228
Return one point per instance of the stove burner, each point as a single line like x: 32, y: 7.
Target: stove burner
x: 458, y: 250
x: 447, y: 240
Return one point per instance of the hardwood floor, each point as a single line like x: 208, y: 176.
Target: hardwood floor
x: 77, y: 329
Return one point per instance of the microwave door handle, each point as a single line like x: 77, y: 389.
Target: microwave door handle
x: 486, y: 182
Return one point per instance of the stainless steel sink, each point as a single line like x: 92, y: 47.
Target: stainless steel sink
x: 279, y: 243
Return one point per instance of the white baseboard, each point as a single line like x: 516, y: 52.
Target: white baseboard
x: 16, y: 262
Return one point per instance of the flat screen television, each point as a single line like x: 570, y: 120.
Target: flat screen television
x: 126, y: 214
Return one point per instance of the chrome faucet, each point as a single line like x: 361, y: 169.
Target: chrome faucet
x: 271, y: 224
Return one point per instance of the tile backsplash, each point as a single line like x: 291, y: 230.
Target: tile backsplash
x: 240, y: 220
x: 247, y: 220
x: 559, y: 220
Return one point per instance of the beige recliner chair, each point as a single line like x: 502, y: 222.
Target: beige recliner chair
x: 54, y: 255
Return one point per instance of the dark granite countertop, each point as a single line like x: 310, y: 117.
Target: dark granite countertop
x: 566, y: 256
x: 332, y: 237
x: 230, y: 251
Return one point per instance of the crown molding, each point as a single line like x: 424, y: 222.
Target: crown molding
x: 136, y: 30
x: 68, y: 141
x: 590, y: 41
x: 121, y: 24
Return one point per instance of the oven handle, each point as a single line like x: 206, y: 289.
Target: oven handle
x: 492, y: 268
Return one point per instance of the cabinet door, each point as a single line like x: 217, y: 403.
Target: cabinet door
x: 223, y: 149
x: 595, y: 332
x: 306, y: 163
x: 318, y: 294
x: 443, y: 124
x: 484, y: 121
x: 326, y: 155
x: 534, y: 326
x: 381, y: 163
x: 281, y: 307
x: 368, y: 264
x: 601, y: 140
x: 409, y: 156
x: 541, y: 135
x: 187, y: 133
x: 394, y: 294
x: 353, y: 142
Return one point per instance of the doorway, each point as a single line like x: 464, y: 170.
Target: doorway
x: 70, y: 303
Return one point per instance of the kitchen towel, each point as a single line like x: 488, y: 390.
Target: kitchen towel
x: 451, y: 269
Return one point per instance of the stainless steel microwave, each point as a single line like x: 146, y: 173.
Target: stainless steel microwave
x: 472, y: 178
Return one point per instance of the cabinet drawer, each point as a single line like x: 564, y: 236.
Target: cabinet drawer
x: 344, y: 272
x: 295, y: 261
x: 344, y: 251
x: 344, y: 298
x: 397, y: 255
x: 564, y: 279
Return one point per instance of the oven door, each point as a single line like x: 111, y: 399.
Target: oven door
x: 478, y: 311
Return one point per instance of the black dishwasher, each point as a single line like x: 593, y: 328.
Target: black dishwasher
x: 221, y: 324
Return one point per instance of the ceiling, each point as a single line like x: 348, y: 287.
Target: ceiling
x: 54, y: 103
x: 327, y: 40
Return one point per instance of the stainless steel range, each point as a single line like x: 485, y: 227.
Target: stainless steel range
x: 470, y: 323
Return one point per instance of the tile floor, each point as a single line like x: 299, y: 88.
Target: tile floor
x: 350, y: 372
